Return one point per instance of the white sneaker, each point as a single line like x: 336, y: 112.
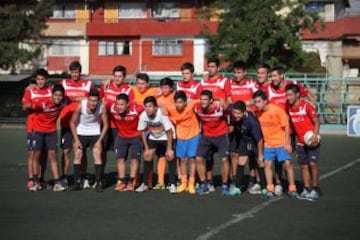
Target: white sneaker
x: 255, y: 189
x: 58, y: 187
x: 211, y: 187
x: 36, y: 187
x: 278, y: 190
x: 142, y: 188
x: 172, y: 189
x: 86, y: 184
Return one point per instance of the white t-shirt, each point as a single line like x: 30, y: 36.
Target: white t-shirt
x: 89, y: 124
x: 156, y: 126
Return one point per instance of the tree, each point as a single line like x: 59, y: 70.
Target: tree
x: 260, y: 31
x: 21, y: 23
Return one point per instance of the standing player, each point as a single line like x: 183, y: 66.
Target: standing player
x: 125, y: 115
x: 161, y: 135
x: 188, y: 135
x: 35, y: 95
x: 142, y: 89
x: 85, y: 125
x: 304, y: 118
x: 108, y: 91
x: 221, y: 90
x: 76, y: 89
x: 247, y: 143
x: 275, y: 128
x: 44, y: 135
x: 262, y: 73
x: 214, y: 136
x: 188, y: 85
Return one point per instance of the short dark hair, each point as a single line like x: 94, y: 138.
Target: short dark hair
x: 120, y: 68
x: 207, y: 93
x: 187, y: 66
x: 239, y: 105
x: 143, y: 76
x: 292, y: 87
x: 94, y: 93
x: 260, y: 93
x: 180, y: 95
x: 239, y: 65
x: 150, y: 99
x: 279, y: 69
x: 122, y: 96
x: 167, y: 82
x: 41, y: 72
x: 75, y: 65
x: 263, y: 65
x: 58, y: 88
x: 214, y: 60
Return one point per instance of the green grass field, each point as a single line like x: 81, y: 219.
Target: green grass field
x: 158, y: 215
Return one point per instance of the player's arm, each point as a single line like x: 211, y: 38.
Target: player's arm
x: 73, y: 122
x: 311, y: 111
x: 105, y: 126
x: 26, y: 101
x: 284, y: 122
x: 311, y: 98
x: 169, y: 133
x: 257, y: 135
x: 142, y: 127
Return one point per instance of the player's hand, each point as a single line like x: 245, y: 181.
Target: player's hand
x: 260, y: 158
x: 288, y: 148
x: 31, y: 86
x: 164, y: 111
x: 170, y: 154
x: 147, y: 154
x: 314, y: 140
x: 106, y: 83
x: 98, y: 145
x: 77, y: 145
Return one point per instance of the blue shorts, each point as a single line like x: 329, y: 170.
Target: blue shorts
x: 277, y: 153
x: 187, y: 148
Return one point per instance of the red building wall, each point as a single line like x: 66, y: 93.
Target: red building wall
x: 60, y: 63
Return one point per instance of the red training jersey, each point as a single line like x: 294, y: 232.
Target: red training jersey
x: 46, y: 115
x: 191, y: 89
x: 35, y: 95
x: 126, y: 124
x: 243, y: 90
x: 219, y: 86
x: 213, y: 121
x: 301, y: 116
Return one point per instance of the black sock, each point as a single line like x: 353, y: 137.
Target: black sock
x: 239, y: 176
x: 252, y: 179
x: 146, y: 169
x: 77, y: 175
x: 308, y: 189
x: 36, y: 178
x: 98, y: 172
x: 172, y: 171
x: 31, y: 179
x: 262, y: 177
x: 41, y: 179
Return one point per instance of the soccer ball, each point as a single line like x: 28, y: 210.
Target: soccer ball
x: 307, y: 138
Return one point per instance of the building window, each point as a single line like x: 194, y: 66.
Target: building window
x: 64, y: 48
x: 165, y: 10
x: 351, y: 43
x: 167, y: 47
x: 107, y: 48
x: 132, y: 10
x: 64, y: 11
x: 314, y: 7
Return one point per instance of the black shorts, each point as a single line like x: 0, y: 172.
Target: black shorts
x: 307, y: 154
x: 208, y: 144
x: 44, y: 140
x: 66, y: 138
x: 123, y: 145
x: 244, y: 148
x: 159, y: 145
x: 110, y: 139
x: 88, y: 141
x: 30, y: 142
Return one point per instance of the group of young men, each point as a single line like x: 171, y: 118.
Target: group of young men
x: 181, y: 124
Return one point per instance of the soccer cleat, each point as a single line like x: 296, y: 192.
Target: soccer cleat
x: 224, y: 189
x: 142, y: 188
x: 293, y: 194
x: 86, y: 184
x: 76, y: 186
x: 58, y: 187
x: 211, y: 187
x: 191, y: 189
x: 278, y: 190
x: 202, y: 189
x: 267, y: 194
x: 159, y: 187
x: 120, y: 186
x: 234, y: 191
x: 98, y: 186
x: 304, y: 194
x: 172, y: 189
x: 181, y: 188
x: 64, y: 182
x: 254, y: 189
x: 36, y: 187
x: 129, y: 187
x: 29, y: 184
x: 313, y: 195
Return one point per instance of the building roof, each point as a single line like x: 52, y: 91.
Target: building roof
x: 347, y: 26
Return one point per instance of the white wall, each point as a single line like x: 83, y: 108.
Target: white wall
x: 200, y: 46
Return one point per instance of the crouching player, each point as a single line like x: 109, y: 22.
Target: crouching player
x: 247, y: 144
x: 304, y: 118
x: 44, y: 135
x: 85, y: 125
x: 161, y: 136
x: 125, y: 116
